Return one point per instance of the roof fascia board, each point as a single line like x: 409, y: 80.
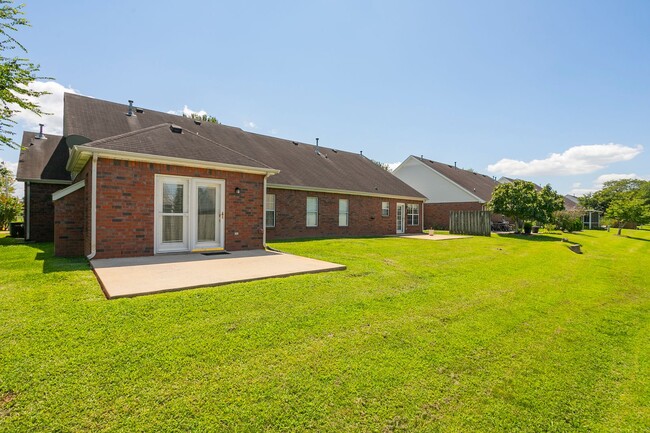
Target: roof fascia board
x: 480, y: 200
x: 83, y: 153
x: 342, y: 191
x: 69, y: 190
x: 48, y: 181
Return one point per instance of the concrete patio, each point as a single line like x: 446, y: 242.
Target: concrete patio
x: 126, y: 277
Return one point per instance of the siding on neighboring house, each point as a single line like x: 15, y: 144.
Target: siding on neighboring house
x: 365, y: 217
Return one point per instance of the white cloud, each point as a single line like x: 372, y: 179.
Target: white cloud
x: 576, y: 160
x: 393, y: 165
x: 188, y: 112
x: 51, y: 103
x: 599, y: 181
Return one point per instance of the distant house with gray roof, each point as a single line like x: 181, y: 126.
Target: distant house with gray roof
x: 447, y: 188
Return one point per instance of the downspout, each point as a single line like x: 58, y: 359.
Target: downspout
x: 264, y: 213
x: 27, y: 209
x: 93, y: 210
x: 422, y: 219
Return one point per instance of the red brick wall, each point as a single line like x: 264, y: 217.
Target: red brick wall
x: 125, y: 206
x: 364, y: 216
x: 41, y: 211
x: 69, y: 224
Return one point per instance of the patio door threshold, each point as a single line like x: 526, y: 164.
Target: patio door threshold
x: 207, y: 250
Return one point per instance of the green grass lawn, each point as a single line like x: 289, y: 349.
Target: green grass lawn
x: 508, y: 333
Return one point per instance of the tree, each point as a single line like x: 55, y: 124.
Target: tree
x: 10, y: 206
x: 548, y: 202
x: 516, y: 200
x: 202, y: 118
x: 383, y: 165
x: 615, y: 189
x: 628, y: 209
x: 16, y: 73
x: 521, y: 201
x: 623, y: 201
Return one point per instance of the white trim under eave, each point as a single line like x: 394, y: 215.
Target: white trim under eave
x: 69, y: 190
x: 343, y: 191
x: 81, y: 151
x: 47, y: 181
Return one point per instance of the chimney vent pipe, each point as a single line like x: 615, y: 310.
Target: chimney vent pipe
x: 40, y: 135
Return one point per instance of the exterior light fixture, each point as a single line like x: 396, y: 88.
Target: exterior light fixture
x: 237, y: 191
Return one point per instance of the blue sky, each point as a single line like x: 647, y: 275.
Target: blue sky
x: 550, y: 91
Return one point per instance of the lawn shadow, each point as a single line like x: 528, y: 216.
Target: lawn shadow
x: 58, y: 264
x: 530, y: 238
x: 582, y: 233
x: 6, y: 241
x: 638, y: 239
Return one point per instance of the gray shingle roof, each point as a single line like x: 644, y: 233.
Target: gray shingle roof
x: 478, y: 184
x: 43, y: 160
x: 299, y: 163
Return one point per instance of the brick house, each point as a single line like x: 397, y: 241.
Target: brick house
x: 447, y: 188
x: 141, y: 182
x: 41, y: 167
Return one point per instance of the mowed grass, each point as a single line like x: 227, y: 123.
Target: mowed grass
x: 508, y: 333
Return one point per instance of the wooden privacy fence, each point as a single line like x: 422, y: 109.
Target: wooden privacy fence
x: 465, y: 222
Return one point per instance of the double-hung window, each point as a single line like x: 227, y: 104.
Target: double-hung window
x: 385, y: 209
x: 270, y: 210
x: 412, y: 214
x: 312, y: 211
x: 344, y: 212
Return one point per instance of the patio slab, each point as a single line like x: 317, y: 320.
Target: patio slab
x: 126, y: 277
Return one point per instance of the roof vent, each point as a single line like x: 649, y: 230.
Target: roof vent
x: 197, y: 122
x: 40, y: 135
x: 335, y: 151
x: 130, y: 112
x: 317, y: 146
x: 139, y: 110
x: 294, y: 142
x: 176, y: 129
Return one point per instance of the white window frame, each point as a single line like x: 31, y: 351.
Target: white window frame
x: 410, y: 215
x: 385, y: 209
x: 313, y: 212
x: 270, y: 207
x: 344, y: 213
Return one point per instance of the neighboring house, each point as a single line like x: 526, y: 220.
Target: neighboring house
x: 447, y: 188
x: 146, y: 182
x: 590, y: 219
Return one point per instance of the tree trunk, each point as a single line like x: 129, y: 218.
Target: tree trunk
x: 620, y: 227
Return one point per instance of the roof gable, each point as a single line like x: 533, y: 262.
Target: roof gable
x: 477, y: 184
